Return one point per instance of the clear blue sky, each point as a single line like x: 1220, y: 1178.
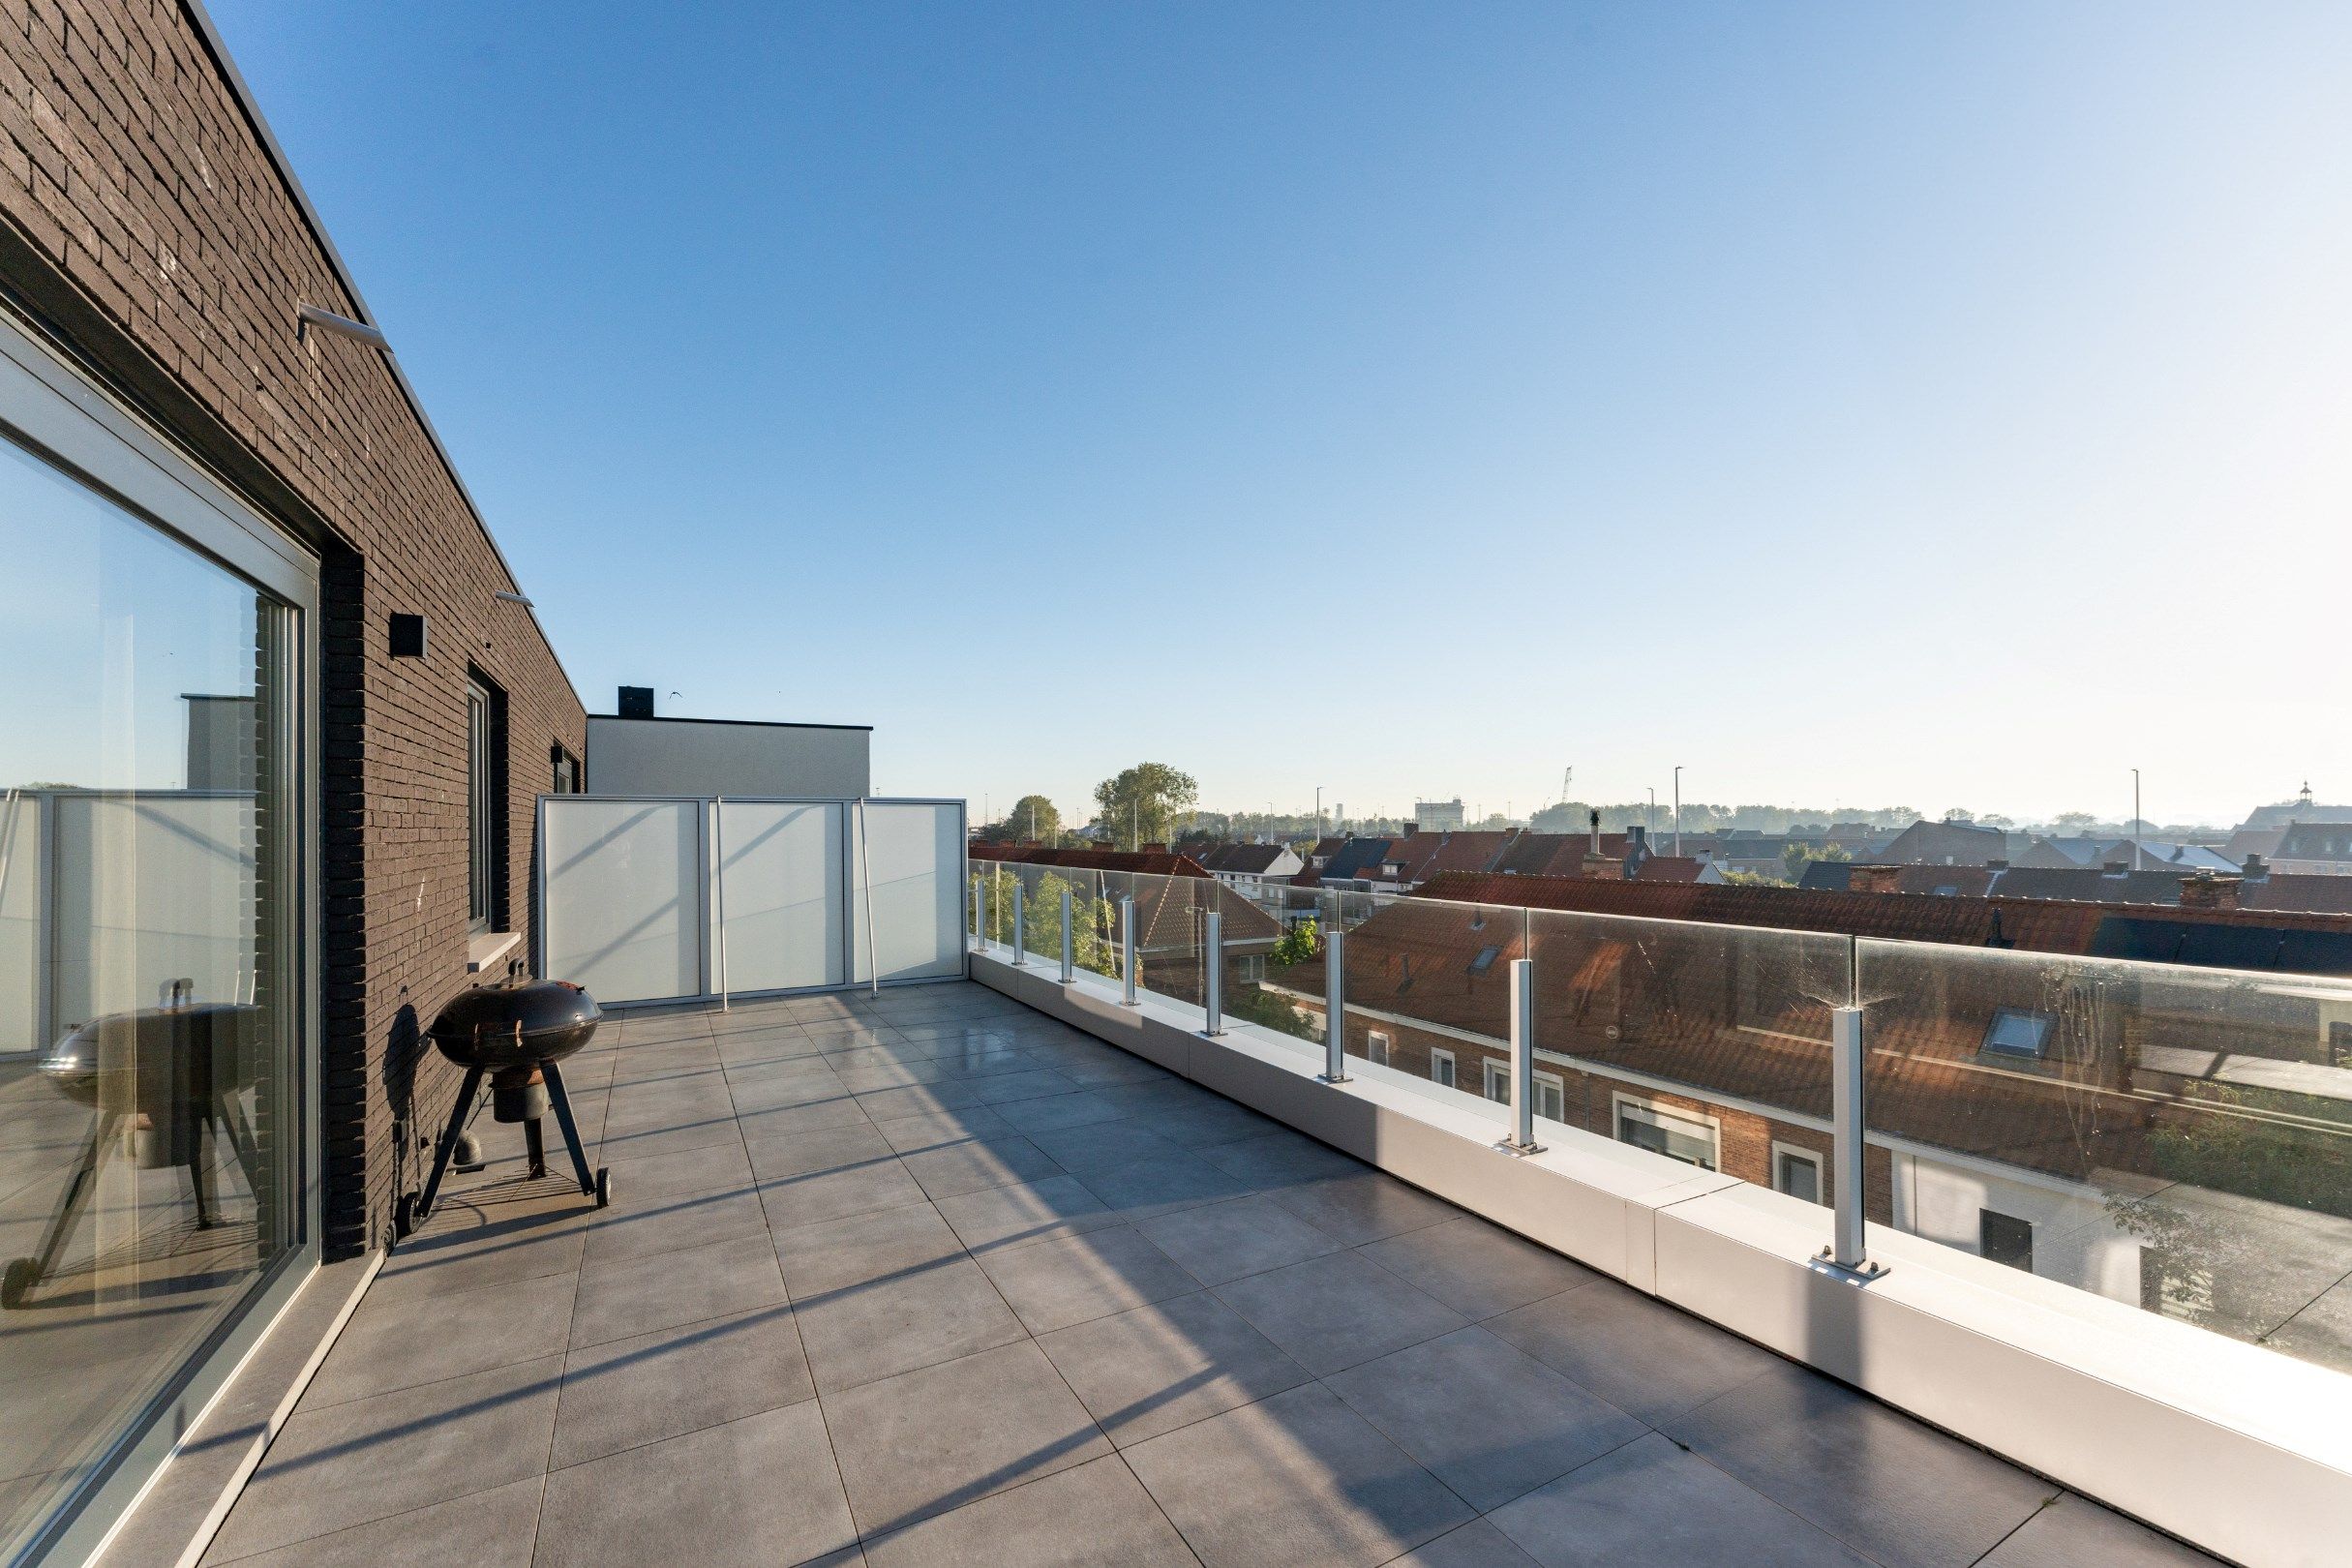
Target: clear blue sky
x: 1949, y: 406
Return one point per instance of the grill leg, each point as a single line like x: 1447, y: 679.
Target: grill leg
x: 76, y: 1194
x: 441, y: 1155
x: 563, y: 1106
x: 534, y: 1148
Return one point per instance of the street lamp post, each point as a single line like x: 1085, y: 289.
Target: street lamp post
x: 1652, y: 818
x: 1677, y: 813
x: 2139, y: 826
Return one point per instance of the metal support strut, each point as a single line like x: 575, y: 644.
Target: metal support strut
x: 1846, y: 1252
x: 1522, y: 1140
x: 1334, y: 1007
x: 1213, y: 975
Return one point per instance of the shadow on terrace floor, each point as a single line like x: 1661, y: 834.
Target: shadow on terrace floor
x: 930, y: 1278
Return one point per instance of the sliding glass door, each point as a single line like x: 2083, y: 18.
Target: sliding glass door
x: 153, y: 956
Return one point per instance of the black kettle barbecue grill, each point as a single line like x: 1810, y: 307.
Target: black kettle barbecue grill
x: 514, y: 1035
x: 176, y: 1072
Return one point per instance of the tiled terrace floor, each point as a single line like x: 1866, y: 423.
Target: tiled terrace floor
x: 930, y: 1278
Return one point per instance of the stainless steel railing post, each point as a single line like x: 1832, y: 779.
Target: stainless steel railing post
x: 1069, y: 963
x: 1127, y: 951
x: 1848, y: 1141
x: 1213, y: 975
x: 1020, y: 922
x: 1334, y: 1007
x: 1522, y: 1140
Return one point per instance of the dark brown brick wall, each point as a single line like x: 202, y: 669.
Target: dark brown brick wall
x: 145, y: 228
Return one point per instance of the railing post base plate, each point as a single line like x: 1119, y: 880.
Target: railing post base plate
x: 1862, y: 1273
x: 1516, y: 1151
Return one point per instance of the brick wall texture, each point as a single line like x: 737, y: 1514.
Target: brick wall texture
x: 143, y: 203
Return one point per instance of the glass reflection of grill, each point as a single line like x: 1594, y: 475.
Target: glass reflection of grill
x: 176, y: 1074
x: 514, y: 1035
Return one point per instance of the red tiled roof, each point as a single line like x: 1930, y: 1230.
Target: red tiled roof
x: 1670, y: 869
x: 2037, y: 926
x: 1153, y: 862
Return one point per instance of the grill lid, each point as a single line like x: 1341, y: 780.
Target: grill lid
x: 543, y: 1019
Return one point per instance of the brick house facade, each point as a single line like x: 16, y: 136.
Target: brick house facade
x: 150, y: 233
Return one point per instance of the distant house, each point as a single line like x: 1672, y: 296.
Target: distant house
x: 1249, y: 866
x: 1944, y: 843
x: 2319, y: 849
x: 2139, y: 855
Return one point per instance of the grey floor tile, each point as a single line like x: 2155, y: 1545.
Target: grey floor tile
x: 1364, y: 1208
x: 467, y: 1247
x: 351, y: 1464
x: 1279, y: 1159
x: 1213, y: 1122
x: 835, y: 1194
x: 919, y: 1099
x: 1105, y: 1145
x: 1117, y: 1068
x: 1156, y: 1187
x: 717, y: 1167
x: 1651, y: 1502
x: 486, y: 1529
x: 385, y: 1345
x: 2071, y: 1533
x: 1032, y: 1211
x: 640, y: 1229
x: 1635, y: 1351
x: 810, y: 1115
x: 1219, y: 1242
x: 931, y: 1130
x: 753, y: 1494
x: 957, y: 1168
x: 1156, y: 1368
x: 836, y: 1254
x: 826, y: 1149
x: 1901, y: 1493
x: 1489, y: 1420
x: 931, y: 1440
x: 1333, y: 1312
x: 860, y: 1333
x: 1033, y: 1084
x: 1476, y: 1268
x: 618, y: 1301
x: 794, y: 1087
x: 1085, y: 1108
x: 1096, y: 1513
x: 625, y: 1393
x: 1056, y: 1283
x: 1476, y: 1545
x: 1299, y: 1480
x: 868, y: 1078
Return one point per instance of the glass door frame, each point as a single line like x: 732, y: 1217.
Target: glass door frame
x: 50, y: 408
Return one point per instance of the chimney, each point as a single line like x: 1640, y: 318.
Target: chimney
x: 1996, y: 866
x: 2257, y: 869
x: 1874, y: 879
x: 636, y: 701
x: 2208, y: 890
x: 1596, y: 829
x: 1636, y: 837
x: 2115, y: 868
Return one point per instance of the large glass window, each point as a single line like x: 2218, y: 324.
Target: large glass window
x: 150, y: 1121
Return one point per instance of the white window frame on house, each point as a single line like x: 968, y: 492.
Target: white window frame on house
x: 1378, y: 1047
x: 1658, y: 1114
x: 1441, y: 1058
x: 1498, y: 1075
x: 1799, y: 1153
x: 1551, y: 1097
